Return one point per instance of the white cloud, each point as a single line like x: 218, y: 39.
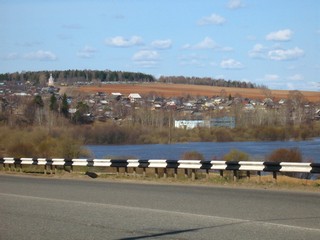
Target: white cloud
x: 146, y: 58
x: 86, y: 52
x: 282, y: 54
x: 207, y: 43
x: 296, y: 77
x: 146, y: 54
x: 213, y: 19
x: 120, y: 41
x: 162, y: 44
x: 303, y: 85
x: 41, y: 55
x: 258, y: 51
x: 231, y: 64
x: 281, y: 35
x: 235, y: 4
x: 271, y: 77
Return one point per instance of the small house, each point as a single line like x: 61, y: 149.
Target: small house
x: 134, y: 97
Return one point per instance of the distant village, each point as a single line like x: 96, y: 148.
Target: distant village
x: 189, y: 112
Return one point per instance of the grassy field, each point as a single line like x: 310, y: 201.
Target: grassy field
x: 176, y: 90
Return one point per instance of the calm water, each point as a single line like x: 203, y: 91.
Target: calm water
x: 257, y: 150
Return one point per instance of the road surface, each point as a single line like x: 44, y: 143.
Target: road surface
x: 48, y: 208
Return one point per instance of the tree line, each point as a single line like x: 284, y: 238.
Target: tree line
x: 41, y: 77
x: 70, y: 76
x: 206, y: 81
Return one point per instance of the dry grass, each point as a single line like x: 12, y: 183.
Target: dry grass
x: 176, y: 90
x: 255, y: 182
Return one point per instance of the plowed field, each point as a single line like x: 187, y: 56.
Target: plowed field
x: 176, y: 90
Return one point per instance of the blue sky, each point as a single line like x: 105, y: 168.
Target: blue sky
x: 271, y: 42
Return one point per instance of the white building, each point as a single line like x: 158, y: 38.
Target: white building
x: 51, y: 81
x: 188, y: 124
x: 134, y: 97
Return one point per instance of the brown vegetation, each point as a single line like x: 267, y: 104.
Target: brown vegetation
x: 112, y: 133
x: 40, y: 142
x: 285, y: 155
x: 176, y: 90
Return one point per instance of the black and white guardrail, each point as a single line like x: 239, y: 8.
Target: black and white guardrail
x: 166, y: 164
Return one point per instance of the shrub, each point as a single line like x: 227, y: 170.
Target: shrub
x: 22, y: 149
x: 236, y: 155
x: 285, y: 155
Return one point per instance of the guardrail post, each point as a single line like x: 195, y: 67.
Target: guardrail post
x: 144, y: 172
x: 248, y: 176
x: 207, y: 174
x: 235, y: 175
x: 221, y: 173
x: 164, y: 173
x: 156, y: 172
x: 134, y: 172
x: 193, y: 174
x: 176, y: 173
x: 259, y: 174
x: 118, y: 170
x: 274, y: 176
x: 126, y: 171
x: 186, y: 173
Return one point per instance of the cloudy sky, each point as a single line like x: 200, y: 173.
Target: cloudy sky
x: 275, y: 43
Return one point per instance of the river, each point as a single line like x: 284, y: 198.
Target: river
x: 257, y: 150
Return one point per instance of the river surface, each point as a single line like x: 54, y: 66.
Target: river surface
x: 211, y: 150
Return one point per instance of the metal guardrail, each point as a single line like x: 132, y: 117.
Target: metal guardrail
x: 217, y: 165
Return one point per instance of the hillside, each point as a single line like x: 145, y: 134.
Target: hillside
x: 176, y: 90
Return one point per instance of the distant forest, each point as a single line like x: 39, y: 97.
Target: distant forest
x: 72, y: 76
x: 206, y: 81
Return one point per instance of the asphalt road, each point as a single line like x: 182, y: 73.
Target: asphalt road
x: 40, y: 208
